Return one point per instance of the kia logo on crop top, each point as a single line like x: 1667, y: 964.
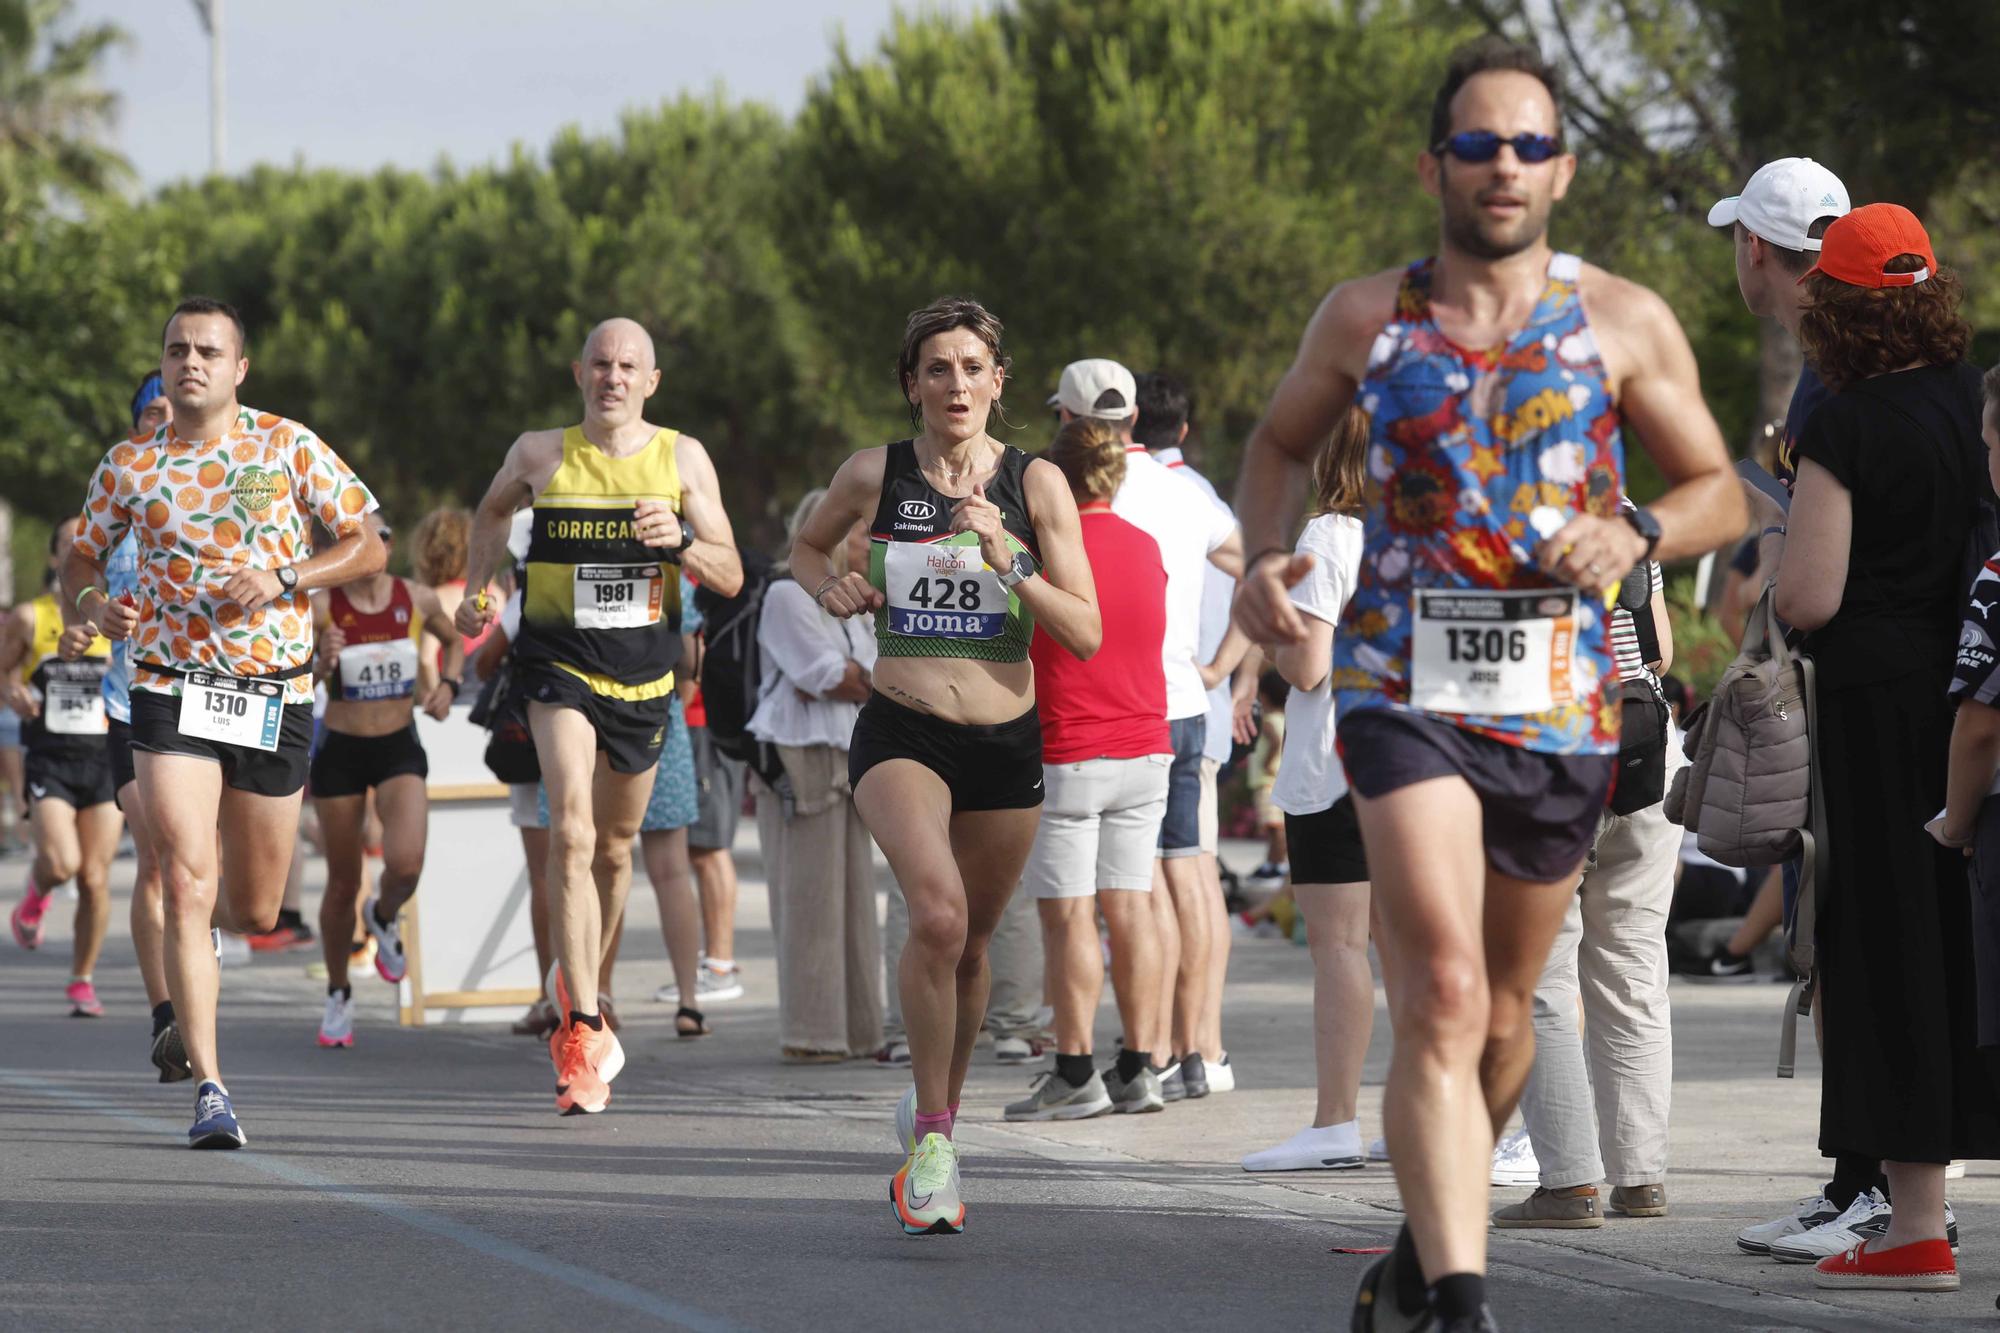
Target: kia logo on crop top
x: 921, y: 511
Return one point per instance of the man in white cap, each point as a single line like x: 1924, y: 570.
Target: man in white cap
x: 1192, y: 533
x: 1778, y: 221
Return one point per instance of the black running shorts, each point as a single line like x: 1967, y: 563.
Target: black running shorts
x: 347, y: 765
x: 996, y: 767
x: 156, y: 729
x: 80, y: 778
x: 118, y: 743
x: 1325, y: 846
x: 630, y: 732
x: 1541, y: 810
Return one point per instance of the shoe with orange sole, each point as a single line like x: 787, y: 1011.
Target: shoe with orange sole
x: 1924, y: 1265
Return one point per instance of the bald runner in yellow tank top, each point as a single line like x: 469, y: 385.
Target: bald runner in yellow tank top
x: 618, y: 503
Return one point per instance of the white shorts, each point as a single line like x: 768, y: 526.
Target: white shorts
x: 1100, y: 826
x: 1210, y: 819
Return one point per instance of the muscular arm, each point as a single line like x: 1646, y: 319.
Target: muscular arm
x: 1659, y: 395
x: 531, y: 461
x: 358, y: 555
x: 850, y: 499
x: 712, y: 561
x: 78, y: 572
x: 1063, y: 597
x: 1812, y: 573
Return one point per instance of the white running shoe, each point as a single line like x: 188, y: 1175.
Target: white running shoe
x: 336, y: 1026
x: 1514, y: 1161
x: 1013, y: 1050
x: 389, y: 963
x: 1222, y: 1075
x: 1865, y: 1219
x: 1812, y: 1211
x: 231, y: 950
x: 1329, y: 1148
x: 1378, y: 1150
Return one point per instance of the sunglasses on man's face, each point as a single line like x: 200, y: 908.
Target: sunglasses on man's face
x: 1484, y: 146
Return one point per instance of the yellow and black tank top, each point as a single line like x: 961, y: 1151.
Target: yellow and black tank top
x: 72, y: 717
x: 939, y: 597
x: 596, y: 601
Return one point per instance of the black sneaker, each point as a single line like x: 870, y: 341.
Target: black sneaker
x: 1724, y: 967
x: 169, y: 1056
x: 1194, y: 1076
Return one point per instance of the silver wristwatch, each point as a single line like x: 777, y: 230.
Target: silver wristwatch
x: 1020, y: 571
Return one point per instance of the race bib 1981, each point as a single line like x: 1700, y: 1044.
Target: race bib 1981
x: 378, y: 670
x: 943, y: 592
x: 1499, y: 653
x: 231, y: 710
x: 618, y: 596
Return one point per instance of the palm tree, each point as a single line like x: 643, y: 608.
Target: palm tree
x: 53, y: 112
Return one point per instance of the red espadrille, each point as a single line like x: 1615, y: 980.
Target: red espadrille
x: 1924, y: 1265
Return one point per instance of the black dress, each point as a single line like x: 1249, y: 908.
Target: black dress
x: 1903, y: 1078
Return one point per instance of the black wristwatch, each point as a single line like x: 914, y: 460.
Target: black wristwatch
x: 288, y: 578
x: 454, y: 684
x: 1646, y: 526
x: 687, y: 540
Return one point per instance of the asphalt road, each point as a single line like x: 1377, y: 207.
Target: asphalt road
x: 422, y: 1179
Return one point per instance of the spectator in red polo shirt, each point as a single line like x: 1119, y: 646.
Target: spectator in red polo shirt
x: 1106, y: 749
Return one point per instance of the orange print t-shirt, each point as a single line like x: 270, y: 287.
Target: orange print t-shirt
x: 203, y: 509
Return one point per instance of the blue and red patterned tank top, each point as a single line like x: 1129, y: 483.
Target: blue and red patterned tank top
x: 1474, y: 457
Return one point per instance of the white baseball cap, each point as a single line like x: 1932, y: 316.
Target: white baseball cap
x: 1097, y: 388
x: 1783, y: 200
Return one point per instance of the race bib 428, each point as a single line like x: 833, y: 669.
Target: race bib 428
x: 943, y: 592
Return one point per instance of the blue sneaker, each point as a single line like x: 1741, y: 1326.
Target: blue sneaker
x: 214, y: 1120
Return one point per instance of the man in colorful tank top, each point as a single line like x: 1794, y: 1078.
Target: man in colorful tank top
x: 1472, y: 666
x: 618, y: 503
x: 221, y: 499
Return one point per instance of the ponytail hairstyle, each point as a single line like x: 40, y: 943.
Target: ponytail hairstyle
x: 1340, y: 471
x: 1091, y: 454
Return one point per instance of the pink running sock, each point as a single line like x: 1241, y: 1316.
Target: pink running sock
x: 953, y: 1109
x: 933, y: 1124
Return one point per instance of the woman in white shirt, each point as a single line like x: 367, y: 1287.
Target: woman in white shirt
x: 818, y: 858
x: 1329, y: 868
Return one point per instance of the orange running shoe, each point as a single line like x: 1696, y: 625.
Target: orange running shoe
x: 579, y: 1090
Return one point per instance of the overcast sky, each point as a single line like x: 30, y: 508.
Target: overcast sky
x: 361, y: 83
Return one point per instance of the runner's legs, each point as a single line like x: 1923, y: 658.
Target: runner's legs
x: 340, y: 824
x: 907, y: 809
x: 97, y: 838
x: 991, y: 848
x: 403, y: 803
x: 180, y: 795
x: 1456, y: 1022
x: 57, y: 849
x: 149, y: 926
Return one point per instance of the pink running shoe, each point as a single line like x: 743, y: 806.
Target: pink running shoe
x: 83, y: 1000
x: 27, y: 918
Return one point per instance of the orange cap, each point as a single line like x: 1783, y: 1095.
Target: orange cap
x: 1860, y: 245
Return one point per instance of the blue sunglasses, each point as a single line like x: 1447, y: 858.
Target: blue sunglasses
x: 1484, y: 146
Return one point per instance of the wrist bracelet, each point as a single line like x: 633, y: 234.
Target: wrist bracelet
x: 1769, y: 532
x: 93, y: 588
x: 831, y: 579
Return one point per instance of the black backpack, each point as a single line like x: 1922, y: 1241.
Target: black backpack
x: 732, y: 665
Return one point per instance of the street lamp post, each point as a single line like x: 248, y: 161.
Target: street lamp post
x: 210, y: 12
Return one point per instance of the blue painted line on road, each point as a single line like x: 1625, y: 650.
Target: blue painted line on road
x: 610, y: 1289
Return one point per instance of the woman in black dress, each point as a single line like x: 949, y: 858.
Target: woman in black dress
x: 1874, y: 570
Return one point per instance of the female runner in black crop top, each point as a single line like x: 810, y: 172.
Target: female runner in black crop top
x: 946, y: 758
